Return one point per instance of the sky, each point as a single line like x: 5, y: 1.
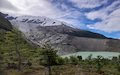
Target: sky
x: 101, y: 16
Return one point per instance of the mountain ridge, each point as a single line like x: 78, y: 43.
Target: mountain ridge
x: 66, y: 39
x: 47, y: 22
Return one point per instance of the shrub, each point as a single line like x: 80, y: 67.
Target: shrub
x: 60, y: 61
x: 48, y: 55
x: 79, y: 57
x: 66, y: 60
x: 99, y: 63
x: 74, y: 60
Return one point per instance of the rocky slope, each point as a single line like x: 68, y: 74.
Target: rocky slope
x: 63, y: 36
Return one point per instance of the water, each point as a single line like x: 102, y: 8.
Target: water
x: 84, y: 55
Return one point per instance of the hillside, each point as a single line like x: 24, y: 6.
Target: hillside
x: 5, y: 24
x: 64, y: 37
x: 12, y: 42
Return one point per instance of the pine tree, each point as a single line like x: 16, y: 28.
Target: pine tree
x: 49, y: 56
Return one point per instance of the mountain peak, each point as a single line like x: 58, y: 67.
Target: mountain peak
x: 27, y: 23
x: 41, y: 20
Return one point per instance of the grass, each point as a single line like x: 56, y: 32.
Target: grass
x: 68, y: 69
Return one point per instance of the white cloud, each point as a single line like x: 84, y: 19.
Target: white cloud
x: 44, y: 8
x: 110, y: 22
x: 103, y: 13
x: 96, y: 14
x: 34, y: 7
x: 88, y: 3
x: 4, y: 4
x: 72, y: 22
x: 110, y: 25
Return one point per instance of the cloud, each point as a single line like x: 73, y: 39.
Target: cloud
x: 70, y: 11
x: 96, y: 15
x: 88, y: 3
x: 6, y: 5
x: 33, y: 7
x: 42, y: 8
x: 108, y: 26
x: 110, y: 17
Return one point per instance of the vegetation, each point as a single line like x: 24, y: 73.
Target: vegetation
x: 18, y: 57
x: 5, y: 24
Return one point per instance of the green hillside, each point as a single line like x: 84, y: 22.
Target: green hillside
x: 14, y: 49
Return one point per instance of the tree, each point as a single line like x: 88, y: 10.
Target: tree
x: 89, y: 62
x: 48, y: 56
x: 114, y: 58
x: 79, y: 57
x: 99, y: 63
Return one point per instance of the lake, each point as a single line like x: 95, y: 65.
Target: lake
x: 94, y: 54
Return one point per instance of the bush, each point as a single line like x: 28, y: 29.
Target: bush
x: 114, y: 58
x: 66, y: 60
x: 79, y: 57
x: 74, y: 60
x: 60, y: 61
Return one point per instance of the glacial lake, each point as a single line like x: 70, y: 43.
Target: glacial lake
x: 84, y: 55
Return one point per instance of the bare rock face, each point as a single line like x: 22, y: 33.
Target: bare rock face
x: 65, y: 38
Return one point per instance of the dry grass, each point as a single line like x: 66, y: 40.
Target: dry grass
x: 62, y: 70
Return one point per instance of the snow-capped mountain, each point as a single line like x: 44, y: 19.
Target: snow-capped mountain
x: 39, y: 20
x: 61, y: 35
x: 26, y: 22
x: 64, y: 37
